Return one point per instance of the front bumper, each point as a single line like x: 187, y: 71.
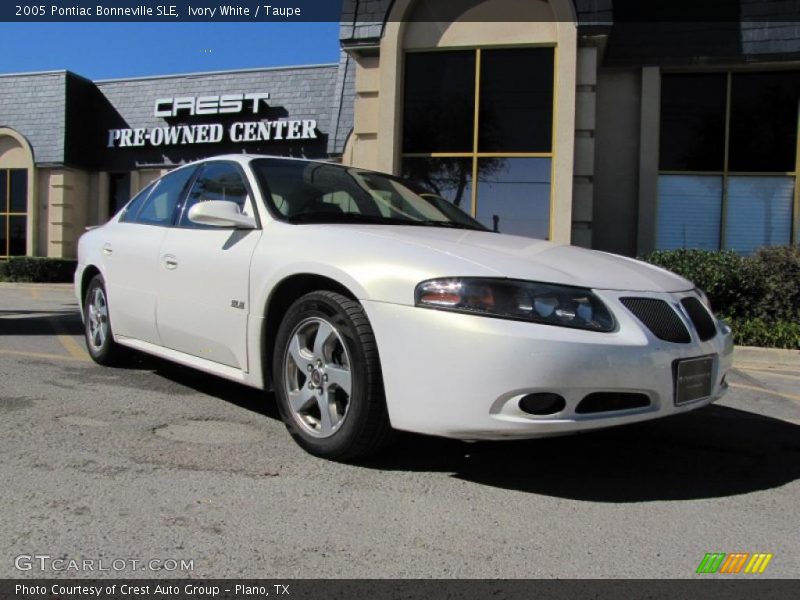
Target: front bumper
x: 462, y: 376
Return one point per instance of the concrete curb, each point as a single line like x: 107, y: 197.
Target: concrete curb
x: 766, y: 356
x: 24, y: 285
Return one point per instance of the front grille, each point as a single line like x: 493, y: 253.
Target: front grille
x: 610, y: 401
x: 700, y: 317
x: 659, y: 318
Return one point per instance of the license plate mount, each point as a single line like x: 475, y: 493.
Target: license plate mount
x: 694, y: 378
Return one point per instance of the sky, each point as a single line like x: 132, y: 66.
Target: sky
x: 111, y: 50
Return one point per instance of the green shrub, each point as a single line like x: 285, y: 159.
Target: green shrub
x: 775, y: 275
x: 40, y: 270
x: 759, y: 295
x: 3, y: 270
x: 758, y: 332
x: 721, y: 275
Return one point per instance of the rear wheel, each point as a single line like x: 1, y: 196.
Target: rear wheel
x: 327, y: 378
x: 97, y: 325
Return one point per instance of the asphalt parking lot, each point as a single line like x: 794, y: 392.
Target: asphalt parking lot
x: 158, y: 462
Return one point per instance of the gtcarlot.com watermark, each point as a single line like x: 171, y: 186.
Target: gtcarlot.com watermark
x: 47, y: 563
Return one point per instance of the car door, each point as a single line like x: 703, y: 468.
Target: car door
x: 203, y: 281
x: 131, y: 256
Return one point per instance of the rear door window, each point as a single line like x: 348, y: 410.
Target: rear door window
x: 135, y: 205
x: 159, y: 208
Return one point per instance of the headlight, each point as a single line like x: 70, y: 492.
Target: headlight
x: 544, y: 303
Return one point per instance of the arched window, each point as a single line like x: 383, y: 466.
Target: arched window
x: 16, y: 166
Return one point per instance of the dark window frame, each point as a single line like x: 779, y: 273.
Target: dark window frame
x: 7, y: 214
x: 475, y: 154
x: 726, y: 172
x: 125, y: 175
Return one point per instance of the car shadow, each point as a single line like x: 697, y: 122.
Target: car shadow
x: 234, y: 393
x: 715, y: 451
x: 40, y: 322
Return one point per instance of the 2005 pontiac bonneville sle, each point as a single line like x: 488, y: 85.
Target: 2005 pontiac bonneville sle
x: 369, y: 306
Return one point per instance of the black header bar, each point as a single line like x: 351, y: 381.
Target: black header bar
x: 586, y: 12
x: 709, y: 587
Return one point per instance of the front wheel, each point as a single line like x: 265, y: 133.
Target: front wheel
x: 97, y: 325
x: 327, y: 378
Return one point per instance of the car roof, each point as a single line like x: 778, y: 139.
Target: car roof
x: 245, y: 158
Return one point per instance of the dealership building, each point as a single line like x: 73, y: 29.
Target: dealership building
x: 560, y: 119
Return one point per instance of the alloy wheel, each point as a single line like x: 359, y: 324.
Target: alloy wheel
x: 98, y: 319
x: 317, y: 377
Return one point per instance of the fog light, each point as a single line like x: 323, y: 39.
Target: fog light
x: 542, y: 404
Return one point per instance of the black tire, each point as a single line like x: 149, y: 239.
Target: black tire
x: 364, y: 428
x: 103, y: 349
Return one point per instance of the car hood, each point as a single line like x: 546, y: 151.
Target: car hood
x: 530, y: 259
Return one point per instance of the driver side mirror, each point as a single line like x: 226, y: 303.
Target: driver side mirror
x: 220, y: 213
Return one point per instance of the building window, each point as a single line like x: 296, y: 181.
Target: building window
x: 13, y: 212
x: 478, y: 131
x: 729, y: 161
x: 119, y: 192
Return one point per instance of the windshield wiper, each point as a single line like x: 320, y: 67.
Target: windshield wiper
x: 448, y: 224
x: 319, y: 217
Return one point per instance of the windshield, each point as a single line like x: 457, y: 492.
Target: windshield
x: 310, y: 192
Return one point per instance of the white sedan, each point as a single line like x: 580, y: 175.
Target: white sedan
x: 369, y: 308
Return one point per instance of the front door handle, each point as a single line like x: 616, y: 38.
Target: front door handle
x: 107, y: 249
x: 170, y: 262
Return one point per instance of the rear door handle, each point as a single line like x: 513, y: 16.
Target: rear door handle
x: 108, y: 250
x: 170, y: 262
